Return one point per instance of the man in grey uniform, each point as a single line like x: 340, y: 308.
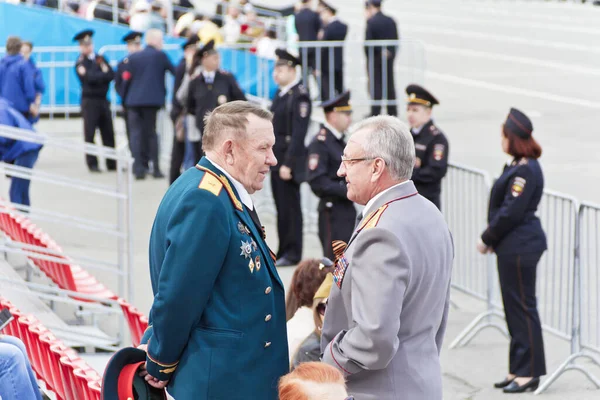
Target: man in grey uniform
x: 386, y: 314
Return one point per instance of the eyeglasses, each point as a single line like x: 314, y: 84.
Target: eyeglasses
x: 345, y: 160
x: 321, y: 307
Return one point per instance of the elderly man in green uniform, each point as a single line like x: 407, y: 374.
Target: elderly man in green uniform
x: 217, y: 325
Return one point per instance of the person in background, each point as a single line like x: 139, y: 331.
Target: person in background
x: 232, y: 27
x: 291, y: 109
x: 308, y: 24
x: 305, y: 282
x: 17, y: 80
x: 313, y: 381
x: 17, y: 380
x: 267, y: 44
x: 144, y: 81
x: 134, y: 44
x: 310, y: 348
x: 431, y: 145
x: 157, y: 20
x: 95, y: 74
x: 332, y: 58
x: 40, y: 86
x: 20, y: 153
x: 140, y: 16
x: 515, y: 234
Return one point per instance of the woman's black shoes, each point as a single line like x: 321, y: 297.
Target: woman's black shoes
x: 504, y: 383
x: 514, y: 387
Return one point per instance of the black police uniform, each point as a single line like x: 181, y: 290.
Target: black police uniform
x: 431, y: 147
x: 206, y: 95
x: 381, y: 27
x: 308, y: 24
x: 119, y: 83
x: 146, y: 92
x: 516, y: 236
x: 95, y: 108
x: 291, y: 118
x: 335, y: 31
x: 337, y: 214
x: 177, y: 111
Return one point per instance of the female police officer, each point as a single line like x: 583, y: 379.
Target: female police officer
x: 515, y: 234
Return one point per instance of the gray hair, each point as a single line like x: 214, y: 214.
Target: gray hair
x: 390, y: 140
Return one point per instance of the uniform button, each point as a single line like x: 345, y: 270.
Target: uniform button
x: 268, y: 290
x: 268, y: 318
x: 267, y: 344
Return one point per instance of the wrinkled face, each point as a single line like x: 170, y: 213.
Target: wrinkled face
x: 26, y: 51
x: 340, y: 120
x: 417, y: 115
x: 210, y: 62
x: 357, y: 170
x: 253, y: 156
x: 283, y: 75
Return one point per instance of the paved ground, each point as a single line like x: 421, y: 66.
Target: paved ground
x: 479, y: 58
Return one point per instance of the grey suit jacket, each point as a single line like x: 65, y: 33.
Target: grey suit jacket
x: 384, y: 327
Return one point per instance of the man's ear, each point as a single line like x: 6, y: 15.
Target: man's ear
x: 227, y: 149
x: 377, y: 169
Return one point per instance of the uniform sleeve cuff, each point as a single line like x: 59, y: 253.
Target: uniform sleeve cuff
x: 488, y: 237
x: 163, y: 372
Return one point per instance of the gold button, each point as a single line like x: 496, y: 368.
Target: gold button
x: 268, y: 318
x: 268, y: 290
x: 267, y: 344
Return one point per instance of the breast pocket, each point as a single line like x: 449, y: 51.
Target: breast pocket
x: 219, y: 338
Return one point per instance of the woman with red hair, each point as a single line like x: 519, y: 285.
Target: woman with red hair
x: 515, y: 234
x: 313, y: 381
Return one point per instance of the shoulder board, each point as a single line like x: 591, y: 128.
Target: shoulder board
x: 523, y: 161
x: 322, y: 136
x: 434, y: 130
x: 302, y: 89
x: 126, y: 60
x: 223, y: 182
x: 211, y: 183
x: 371, y: 220
x: 80, y: 59
x: 223, y: 72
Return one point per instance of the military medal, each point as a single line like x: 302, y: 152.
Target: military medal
x: 251, y: 266
x: 257, y: 262
x: 254, y: 245
x: 246, y: 248
x: 242, y: 228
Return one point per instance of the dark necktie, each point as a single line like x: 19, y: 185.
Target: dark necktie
x: 358, y: 219
x: 254, y: 216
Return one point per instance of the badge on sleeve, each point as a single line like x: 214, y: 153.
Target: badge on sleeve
x: 304, y: 109
x: 313, y: 162
x: 438, y: 152
x: 517, y: 187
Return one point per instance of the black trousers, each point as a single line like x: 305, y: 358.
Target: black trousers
x: 142, y: 125
x: 96, y: 114
x: 517, y: 282
x: 378, y: 77
x: 326, y: 80
x: 289, y: 217
x: 335, y: 223
x: 178, y: 157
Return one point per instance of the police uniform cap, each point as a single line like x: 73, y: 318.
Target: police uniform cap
x: 419, y: 95
x: 325, y: 288
x: 121, y: 379
x: 285, y: 58
x: 133, y: 36
x: 328, y: 6
x: 192, y: 41
x: 519, y: 124
x: 341, y: 103
x: 84, y: 36
x: 208, y: 48
x: 374, y: 3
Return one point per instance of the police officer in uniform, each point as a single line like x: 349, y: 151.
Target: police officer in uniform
x: 291, y: 109
x: 95, y: 74
x: 335, y: 31
x: 337, y: 214
x: 431, y: 145
x: 308, y: 24
x: 380, y: 61
x: 133, y: 40
x: 212, y: 88
x: 515, y: 234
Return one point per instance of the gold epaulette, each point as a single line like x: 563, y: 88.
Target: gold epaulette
x: 371, y: 220
x: 214, y: 183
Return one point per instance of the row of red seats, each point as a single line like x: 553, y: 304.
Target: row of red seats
x: 57, y: 365
x: 66, y: 276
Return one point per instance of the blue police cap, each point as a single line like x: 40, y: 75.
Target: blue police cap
x: 121, y: 379
x: 419, y: 95
x: 340, y: 103
x: 192, y: 41
x: 132, y: 36
x: 519, y: 124
x: 285, y: 58
x: 328, y: 6
x: 84, y: 36
x: 208, y: 48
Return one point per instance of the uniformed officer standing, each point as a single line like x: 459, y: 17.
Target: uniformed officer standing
x: 332, y: 71
x: 95, y: 74
x: 337, y: 214
x: 291, y: 109
x: 380, y: 60
x: 133, y: 40
x: 431, y: 145
x: 308, y: 24
x: 212, y: 88
x: 144, y: 78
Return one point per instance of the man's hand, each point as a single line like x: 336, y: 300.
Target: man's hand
x: 482, y: 248
x: 285, y: 173
x: 104, y: 67
x: 143, y: 372
x: 34, y: 109
x: 81, y: 70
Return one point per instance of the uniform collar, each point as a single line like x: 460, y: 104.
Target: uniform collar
x: 285, y: 89
x: 207, y: 74
x: 338, y: 135
x: 417, y: 130
x: 370, y: 204
x: 240, y: 189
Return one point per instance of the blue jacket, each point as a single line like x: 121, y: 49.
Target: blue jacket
x: 38, y: 80
x: 11, y: 149
x: 513, y: 227
x: 17, y: 82
x: 217, y: 324
x: 145, y: 86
